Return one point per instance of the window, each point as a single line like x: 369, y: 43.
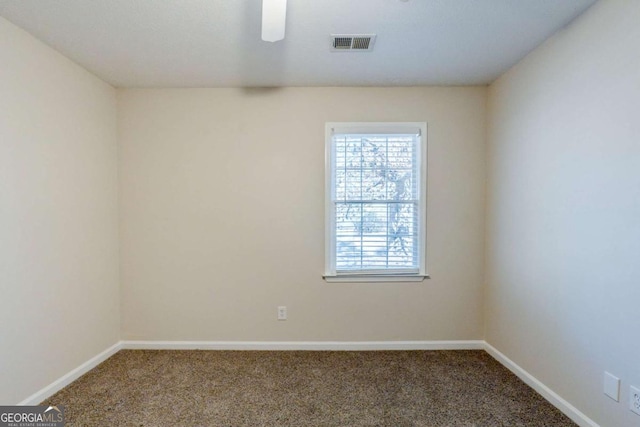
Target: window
x: 375, y: 201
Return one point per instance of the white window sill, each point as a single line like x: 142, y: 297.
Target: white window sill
x: 376, y: 278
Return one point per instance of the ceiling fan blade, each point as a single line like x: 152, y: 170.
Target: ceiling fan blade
x: 274, y: 16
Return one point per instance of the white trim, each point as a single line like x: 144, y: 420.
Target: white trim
x: 565, y: 407
x: 376, y: 278
x: 71, y: 376
x: 304, y: 345
x: 329, y: 213
x: 378, y: 128
x: 422, y: 187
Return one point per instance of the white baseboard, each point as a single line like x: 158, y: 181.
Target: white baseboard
x: 303, y: 345
x: 71, y: 376
x: 568, y: 409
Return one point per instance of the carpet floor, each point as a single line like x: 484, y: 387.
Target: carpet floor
x: 304, y: 388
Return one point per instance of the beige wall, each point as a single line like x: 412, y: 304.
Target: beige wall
x: 222, y: 216
x: 58, y: 215
x: 563, y: 296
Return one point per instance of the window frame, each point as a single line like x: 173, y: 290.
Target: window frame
x: 330, y: 274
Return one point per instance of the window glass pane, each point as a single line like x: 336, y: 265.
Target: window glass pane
x: 339, y: 149
x: 376, y: 236
x: 373, y: 185
x: 403, y: 233
x: 374, y: 153
x: 353, y: 185
x: 401, y: 152
x: 348, y: 235
x: 400, y: 185
x: 340, y: 185
x: 353, y: 154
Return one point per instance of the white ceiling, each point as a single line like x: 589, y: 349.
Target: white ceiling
x: 213, y: 43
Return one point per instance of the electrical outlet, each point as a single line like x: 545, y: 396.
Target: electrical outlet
x: 282, y: 312
x: 634, y: 399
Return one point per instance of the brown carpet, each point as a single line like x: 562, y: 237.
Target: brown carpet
x: 268, y: 388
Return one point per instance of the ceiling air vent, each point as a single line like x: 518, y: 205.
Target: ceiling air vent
x: 352, y: 42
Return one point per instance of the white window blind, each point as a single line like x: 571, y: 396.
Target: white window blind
x: 376, y: 200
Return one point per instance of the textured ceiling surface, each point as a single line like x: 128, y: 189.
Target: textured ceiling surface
x: 217, y: 43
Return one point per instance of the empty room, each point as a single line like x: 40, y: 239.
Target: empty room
x: 334, y: 213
